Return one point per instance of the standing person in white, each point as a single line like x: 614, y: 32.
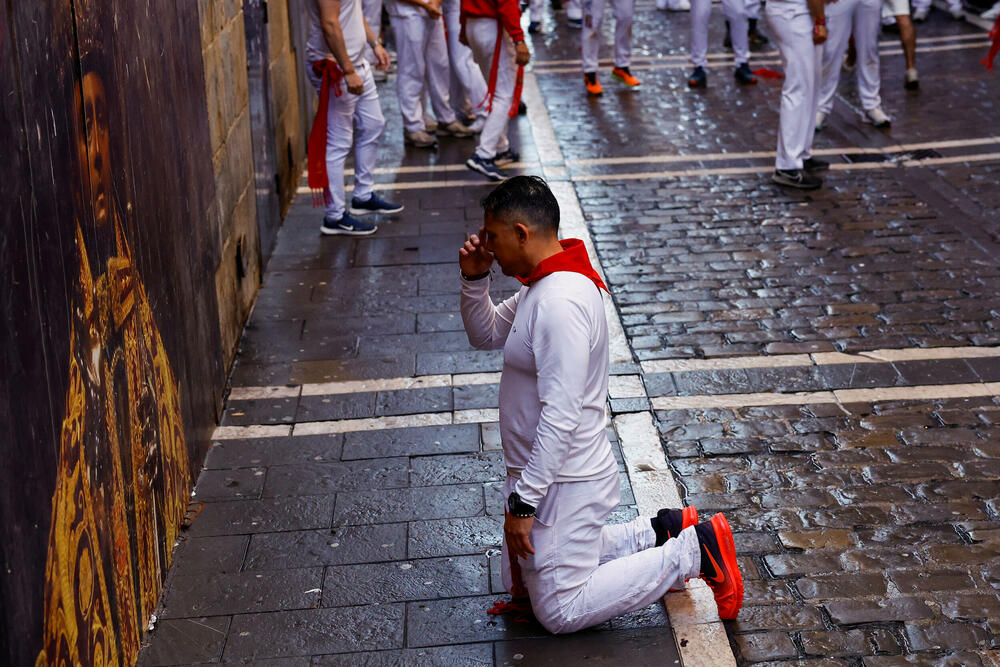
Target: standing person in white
x: 562, y: 479
x: 373, y: 17
x: 471, y: 83
x: 337, y: 67
x: 593, y: 17
x: 736, y: 15
x: 422, y: 58
x: 492, y: 29
x: 800, y: 29
x: 863, y: 18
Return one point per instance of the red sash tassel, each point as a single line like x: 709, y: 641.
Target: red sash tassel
x: 987, y: 62
x: 319, y: 181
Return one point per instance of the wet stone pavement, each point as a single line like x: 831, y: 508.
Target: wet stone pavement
x: 821, y: 367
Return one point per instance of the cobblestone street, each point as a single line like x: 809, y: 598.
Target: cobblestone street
x: 824, y: 368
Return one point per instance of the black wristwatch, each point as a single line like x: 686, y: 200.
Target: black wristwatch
x: 518, y: 507
x: 476, y: 277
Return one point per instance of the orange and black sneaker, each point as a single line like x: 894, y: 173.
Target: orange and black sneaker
x: 669, y: 523
x: 593, y: 85
x: 625, y: 76
x: 719, y: 567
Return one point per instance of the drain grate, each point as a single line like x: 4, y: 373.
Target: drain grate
x: 922, y: 154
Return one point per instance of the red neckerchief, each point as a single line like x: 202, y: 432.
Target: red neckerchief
x: 331, y: 75
x: 573, y: 258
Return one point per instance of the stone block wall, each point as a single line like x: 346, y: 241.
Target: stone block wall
x: 289, y: 134
x: 223, y: 43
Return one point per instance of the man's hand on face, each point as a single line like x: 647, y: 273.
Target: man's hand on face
x: 473, y: 257
x: 517, y: 533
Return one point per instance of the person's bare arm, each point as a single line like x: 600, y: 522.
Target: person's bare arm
x: 329, y: 18
x: 818, y: 14
x: 381, y: 56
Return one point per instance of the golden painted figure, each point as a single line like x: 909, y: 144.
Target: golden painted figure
x: 123, y: 478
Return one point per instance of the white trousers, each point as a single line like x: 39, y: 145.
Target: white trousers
x: 574, y: 9
x: 372, y: 9
x: 537, y: 9
x: 863, y: 18
x: 482, y: 35
x: 753, y: 9
x: 593, y: 17
x: 584, y: 572
x: 421, y: 55
x: 463, y: 65
x: 802, y: 60
x: 343, y: 113
x: 735, y: 12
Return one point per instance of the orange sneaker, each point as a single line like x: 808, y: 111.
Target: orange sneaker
x: 623, y: 75
x: 719, y: 567
x: 669, y: 523
x: 593, y: 85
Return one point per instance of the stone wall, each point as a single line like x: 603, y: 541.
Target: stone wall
x: 237, y: 276
x: 289, y: 134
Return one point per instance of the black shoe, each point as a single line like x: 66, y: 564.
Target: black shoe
x: 892, y: 28
x: 796, y: 178
x: 815, y: 166
x: 534, y: 27
x: 698, y: 78
x: 669, y: 523
x: 348, y: 225
x: 556, y: 5
x: 522, y: 108
x: 743, y: 75
x: 506, y: 157
x: 756, y: 38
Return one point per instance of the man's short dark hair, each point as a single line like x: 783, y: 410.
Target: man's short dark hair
x: 525, y: 197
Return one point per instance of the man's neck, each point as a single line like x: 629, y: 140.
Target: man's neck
x: 543, y: 252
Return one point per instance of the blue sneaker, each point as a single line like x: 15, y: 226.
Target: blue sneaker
x: 374, y: 204
x: 486, y: 167
x: 508, y: 156
x: 347, y: 225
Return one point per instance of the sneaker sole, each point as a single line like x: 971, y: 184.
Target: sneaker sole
x: 795, y: 184
x: 327, y: 231
x: 383, y: 211
x: 476, y: 168
x: 727, y: 547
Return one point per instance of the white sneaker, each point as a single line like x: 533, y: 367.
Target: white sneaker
x: 679, y: 5
x: 991, y: 13
x: 920, y: 15
x: 820, y: 119
x: 878, y: 118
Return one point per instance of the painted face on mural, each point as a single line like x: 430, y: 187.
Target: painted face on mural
x: 95, y: 109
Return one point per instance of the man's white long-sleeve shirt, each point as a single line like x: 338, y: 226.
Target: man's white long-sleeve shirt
x: 554, y: 385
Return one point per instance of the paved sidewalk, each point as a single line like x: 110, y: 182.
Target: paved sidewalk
x: 823, y: 367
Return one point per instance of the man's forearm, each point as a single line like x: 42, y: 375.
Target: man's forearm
x: 816, y: 9
x: 335, y: 40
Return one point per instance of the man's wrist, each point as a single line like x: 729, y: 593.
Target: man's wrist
x: 478, y: 276
x: 518, y: 507
x: 820, y: 21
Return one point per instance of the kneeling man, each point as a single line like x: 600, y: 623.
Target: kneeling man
x: 562, y: 479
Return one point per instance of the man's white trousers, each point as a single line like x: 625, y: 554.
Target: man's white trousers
x: 421, y: 54
x: 863, y: 18
x: 735, y: 12
x: 793, y: 29
x: 584, y: 572
x: 482, y: 36
x: 593, y: 17
x: 463, y: 65
x: 343, y: 114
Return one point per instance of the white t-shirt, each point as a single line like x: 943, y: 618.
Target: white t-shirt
x: 351, y: 24
x: 554, y: 385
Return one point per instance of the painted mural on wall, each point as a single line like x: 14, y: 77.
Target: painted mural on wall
x: 123, y: 479
x: 109, y: 339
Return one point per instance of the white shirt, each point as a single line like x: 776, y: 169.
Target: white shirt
x: 554, y: 385
x: 352, y: 25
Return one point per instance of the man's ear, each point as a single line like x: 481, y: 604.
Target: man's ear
x: 522, y: 231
